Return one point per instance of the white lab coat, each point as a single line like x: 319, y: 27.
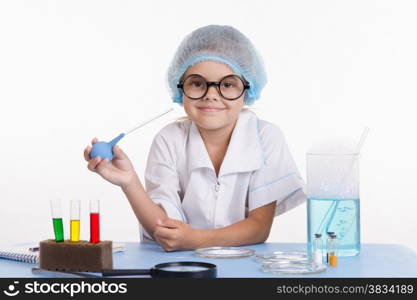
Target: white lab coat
x: 256, y: 170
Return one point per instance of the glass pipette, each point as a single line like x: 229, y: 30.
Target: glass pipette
x: 105, y: 149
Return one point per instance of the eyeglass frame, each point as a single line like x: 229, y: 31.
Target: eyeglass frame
x: 246, y: 86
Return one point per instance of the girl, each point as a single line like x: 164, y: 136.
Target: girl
x: 219, y: 177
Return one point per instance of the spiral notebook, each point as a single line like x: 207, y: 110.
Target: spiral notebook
x: 20, y: 253
x: 23, y: 254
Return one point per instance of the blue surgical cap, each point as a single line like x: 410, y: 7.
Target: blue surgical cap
x: 223, y: 44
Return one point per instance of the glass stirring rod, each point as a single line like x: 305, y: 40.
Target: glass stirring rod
x: 105, y: 149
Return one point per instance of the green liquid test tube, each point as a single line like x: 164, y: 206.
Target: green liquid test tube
x: 57, y: 220
x: 58, y: 229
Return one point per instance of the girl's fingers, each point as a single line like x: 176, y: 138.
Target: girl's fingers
x: 169, y: 223
x: 92, y: 164
x: 163, y: 233
x: 87, y: 153
x: 167, y: 244
x: 118, y: 153
x: 102, y: 168
x: 88, y: 150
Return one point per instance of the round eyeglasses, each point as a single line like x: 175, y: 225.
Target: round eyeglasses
x: 230, y: 87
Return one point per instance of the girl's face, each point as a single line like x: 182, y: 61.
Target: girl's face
x: 212, y: 112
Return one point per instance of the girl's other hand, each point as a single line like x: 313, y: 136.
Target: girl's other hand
x: 119, y: 171
x: 174, y: 235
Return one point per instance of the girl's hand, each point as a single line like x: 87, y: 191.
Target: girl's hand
x: 119, y: 171
x: 176, y: 235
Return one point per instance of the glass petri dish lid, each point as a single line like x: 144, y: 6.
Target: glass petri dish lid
x: 224, y: 252
x: 283, y: 256
x: 293, y: 268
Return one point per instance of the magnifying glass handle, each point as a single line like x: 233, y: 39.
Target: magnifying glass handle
x: 125, y: 272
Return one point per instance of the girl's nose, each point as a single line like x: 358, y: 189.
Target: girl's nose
x: 212, y: 93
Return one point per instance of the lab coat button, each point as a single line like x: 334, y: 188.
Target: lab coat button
x: 217, y: 187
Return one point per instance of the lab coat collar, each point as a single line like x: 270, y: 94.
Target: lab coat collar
x: 244, y: 153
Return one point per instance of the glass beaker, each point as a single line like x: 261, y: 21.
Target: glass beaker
x: 333, y: 199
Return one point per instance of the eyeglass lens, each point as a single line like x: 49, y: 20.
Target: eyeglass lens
x: 230, y: 87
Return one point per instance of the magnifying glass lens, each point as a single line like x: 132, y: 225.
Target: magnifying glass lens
x: 183, y: 268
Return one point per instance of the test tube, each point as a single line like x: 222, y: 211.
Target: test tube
x: 94, y: 221
x: 57, y: 220
x: 75, y: 221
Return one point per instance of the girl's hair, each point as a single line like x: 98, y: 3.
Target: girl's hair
x: 222, y: 44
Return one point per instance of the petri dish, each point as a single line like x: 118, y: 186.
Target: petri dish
x: 282, y: 257
x: 224, y: 252
x: 292, y: 268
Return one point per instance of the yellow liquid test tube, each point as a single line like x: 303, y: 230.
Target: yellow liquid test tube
x: 75, y: 230
x: 75, y: 221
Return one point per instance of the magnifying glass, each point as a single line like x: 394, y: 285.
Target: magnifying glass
x: 184, y: 269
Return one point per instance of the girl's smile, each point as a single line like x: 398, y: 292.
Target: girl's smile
x: 210, y: 109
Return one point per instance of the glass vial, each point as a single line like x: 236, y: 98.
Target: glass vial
x: 318, y: 249
x: 333, y: 260
x: 328, y: 242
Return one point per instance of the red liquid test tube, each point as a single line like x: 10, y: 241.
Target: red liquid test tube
x: 94, y: 221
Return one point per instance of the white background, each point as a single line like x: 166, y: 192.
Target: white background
x: 72, y: 70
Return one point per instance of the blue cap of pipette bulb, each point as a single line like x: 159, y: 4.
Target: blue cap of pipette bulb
x: 104, y: 149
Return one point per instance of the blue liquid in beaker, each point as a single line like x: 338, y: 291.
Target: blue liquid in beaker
x: 341, y: 216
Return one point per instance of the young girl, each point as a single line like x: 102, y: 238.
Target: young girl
x: 219, y: 177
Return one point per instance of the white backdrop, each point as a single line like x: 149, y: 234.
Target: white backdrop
x: 72, y: 70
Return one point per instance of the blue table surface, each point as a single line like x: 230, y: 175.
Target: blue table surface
x: 375, y: 260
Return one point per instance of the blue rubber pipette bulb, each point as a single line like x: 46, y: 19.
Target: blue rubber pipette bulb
x: 105, y: 149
